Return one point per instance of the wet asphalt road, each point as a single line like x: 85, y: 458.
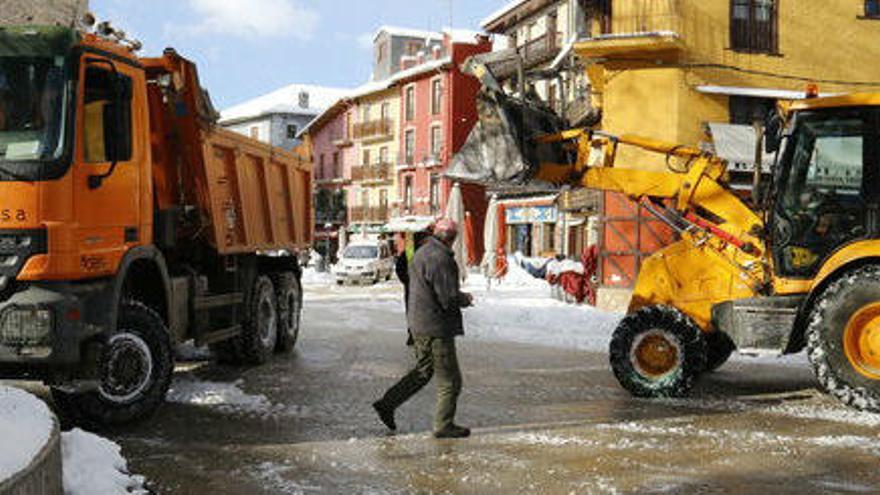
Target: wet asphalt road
x: 546, y: 420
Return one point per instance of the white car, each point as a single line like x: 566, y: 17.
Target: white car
x: 364, y: 261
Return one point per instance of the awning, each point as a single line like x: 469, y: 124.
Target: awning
x: 777, y: 94
x: 736, y: 144
x: 408, y: 224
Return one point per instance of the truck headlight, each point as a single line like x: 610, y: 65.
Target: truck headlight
x: 25, y: 327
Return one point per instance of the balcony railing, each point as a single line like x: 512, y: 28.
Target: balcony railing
x: 380, y: 172
x: 383, y: 128
x: 541, y: 49
x: 341, y: 138
x: 368, y: 214
x: 333, y: 216
x: 637, y: 17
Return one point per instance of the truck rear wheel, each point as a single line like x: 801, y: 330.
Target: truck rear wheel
x: 260, y: 327
x: 843, y: 339
x: 288, y: 293
x: 657, y: 352
x: 135, y: 368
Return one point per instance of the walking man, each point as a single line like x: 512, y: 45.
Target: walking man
x: 434, y: 318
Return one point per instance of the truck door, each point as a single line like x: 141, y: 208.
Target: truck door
x: 107, y: 177
x: 827, y: 185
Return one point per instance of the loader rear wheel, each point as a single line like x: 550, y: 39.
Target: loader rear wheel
x: 657, y: 352
x: 719, y: 347
x: 259, y: 333
x: 288, y: 294
x: 843, y: 338
x: 135, y: 368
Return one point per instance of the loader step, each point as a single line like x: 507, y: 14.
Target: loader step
x: 218, y: 335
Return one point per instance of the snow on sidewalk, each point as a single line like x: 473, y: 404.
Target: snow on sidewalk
x: 94, y: 465
x: 25, y: 427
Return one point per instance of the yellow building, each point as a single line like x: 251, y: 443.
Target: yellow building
x: 375, y: 137
x: 668, y: 68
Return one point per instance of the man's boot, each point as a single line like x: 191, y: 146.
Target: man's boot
x: 386, y: 414
x: 453, y: 431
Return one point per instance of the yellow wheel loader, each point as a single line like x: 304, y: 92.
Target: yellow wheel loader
x: 799, y: 271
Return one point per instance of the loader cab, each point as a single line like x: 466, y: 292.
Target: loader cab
x: 826, y: 185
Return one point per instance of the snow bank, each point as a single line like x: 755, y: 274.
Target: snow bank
x: 25, y: 427
x: 94, y: 465
x: 310, y: 276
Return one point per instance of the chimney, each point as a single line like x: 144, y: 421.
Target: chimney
x: 437, y: 51
x: 304, y: 99
x: 420, y: 57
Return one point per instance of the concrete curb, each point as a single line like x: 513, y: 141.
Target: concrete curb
x: 43, y: 475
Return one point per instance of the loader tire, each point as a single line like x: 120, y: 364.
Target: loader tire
x: 843, y: 338
x: 288, y: 296
x: 259, y: 332
x: 135, y: 368
x: 657, y: 352
x: 719, y: 347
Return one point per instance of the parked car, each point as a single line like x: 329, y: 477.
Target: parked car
x: 364, y: 261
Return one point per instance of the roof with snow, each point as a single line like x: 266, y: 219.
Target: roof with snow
x: 505, y: 9
x: 285, y: 101
x: 407, y: 32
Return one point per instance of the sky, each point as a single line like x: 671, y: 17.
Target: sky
x: 246, y: 48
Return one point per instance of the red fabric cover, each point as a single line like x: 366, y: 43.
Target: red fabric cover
x: 469, y: 241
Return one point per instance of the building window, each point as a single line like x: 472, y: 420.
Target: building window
x: 872, y: 8
x: 383, y: 201
x: 408, y: 193
x: 365, y: 117
x: 380, y: 52
x: 413, y: 47
x: 753, y: 26
x: 321, y: 166
x: 255, y: 132
x: 383, y: 155
x: 336, y: 164
x: 436, y: 96
x: 409, y: 146
x: 366, y: 157
x: 745, y: 110
x: 385, y: 112
x: 436, y: 141
x: 410, y: 103
x: 435, y: 194
x: 292, y: 130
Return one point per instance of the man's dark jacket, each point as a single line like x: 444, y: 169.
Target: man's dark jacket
x: 435, y: 300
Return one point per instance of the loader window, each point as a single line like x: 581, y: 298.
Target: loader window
x: 107, y: 114
x: 823, y: 202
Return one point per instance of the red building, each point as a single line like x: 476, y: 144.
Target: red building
x: 437, y: 113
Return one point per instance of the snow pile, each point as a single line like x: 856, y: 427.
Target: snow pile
x: 311, y: 276
x: 95, y: 465
x: 25, y: 427
x: 227, y: 397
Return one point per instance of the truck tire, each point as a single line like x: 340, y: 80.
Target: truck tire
x: 719, y: 347
x: 259, y: 333
x: 288, y: 294
x: 843, y: 338
x: 657, y: 352
x: 135, y: 369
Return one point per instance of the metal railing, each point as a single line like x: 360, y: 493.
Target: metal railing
x: 373, y: 128
x: 332, y: 216
x: 368, y: 214
x: 633, y: 17
x: 378, y: 172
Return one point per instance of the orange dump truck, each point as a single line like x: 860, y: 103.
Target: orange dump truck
x: 130, y: 222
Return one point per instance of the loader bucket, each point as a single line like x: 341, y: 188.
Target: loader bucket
x: 501, y: 149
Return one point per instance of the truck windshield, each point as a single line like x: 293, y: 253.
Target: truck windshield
x: 361, y: 252
x: 32, y: 106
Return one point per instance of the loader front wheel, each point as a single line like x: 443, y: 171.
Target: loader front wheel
x: 843, y: 338
x: 657, y: 352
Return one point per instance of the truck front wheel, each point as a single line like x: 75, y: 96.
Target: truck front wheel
x: 288, y: 294
x: 135, y: 369
x: 657, y: 352
x: 843, y: 338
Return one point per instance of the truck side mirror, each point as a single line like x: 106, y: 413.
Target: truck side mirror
x: 772, y: 132
x: 117, y: 126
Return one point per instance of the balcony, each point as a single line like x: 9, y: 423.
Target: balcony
x: 362, y: 214
x: 341, y: 139
x: 374, y: 130
x: 332, y: 217
x: 541, y: 49
x: 636, y: 28
x: 379, y: 173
